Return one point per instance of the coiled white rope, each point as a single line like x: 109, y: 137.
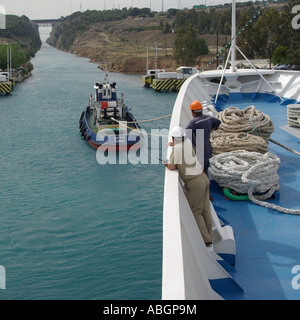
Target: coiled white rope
x: 249, y: 173
x: 293, y: 114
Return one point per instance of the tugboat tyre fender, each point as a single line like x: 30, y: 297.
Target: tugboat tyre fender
x: 81, y: 117
x: 83, y: 132
x: 88, y: 138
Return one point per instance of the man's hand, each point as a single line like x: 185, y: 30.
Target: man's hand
x: 170, y: 166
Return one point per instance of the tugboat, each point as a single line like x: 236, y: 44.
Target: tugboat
x: 107, y: 123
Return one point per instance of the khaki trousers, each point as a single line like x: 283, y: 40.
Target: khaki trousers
x: 197, y: 194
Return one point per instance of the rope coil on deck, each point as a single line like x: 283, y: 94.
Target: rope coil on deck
x: 249, y: 173
x: 250, y: 120
x: 293, y: 114
x: 225, y: 142
x: 247, y: 129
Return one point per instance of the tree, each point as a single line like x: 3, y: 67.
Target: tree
x: 172, y: 11
x: 246, y: 41
x: 271, y: 36
x: 19, y: 55
x: 167, y: 28
x: 203, y: 22
x: 188, y: 46
x: 280, y: 55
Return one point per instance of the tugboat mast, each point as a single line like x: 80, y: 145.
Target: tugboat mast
x: 106, y: 72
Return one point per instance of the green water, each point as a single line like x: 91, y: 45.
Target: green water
x: 70, y: 227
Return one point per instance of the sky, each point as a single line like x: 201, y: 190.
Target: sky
x: 53, y: 9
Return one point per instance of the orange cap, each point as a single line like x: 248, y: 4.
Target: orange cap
x: 196, y: 105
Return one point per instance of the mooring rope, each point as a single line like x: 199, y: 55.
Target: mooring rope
x: 249, y: 120
x: 248, y: 173
x: 285, y: 147
x: 241, y: 160
x: 149, y: 120
x: 247, y: 129
x: 225, y: 142
x: 293, y: 114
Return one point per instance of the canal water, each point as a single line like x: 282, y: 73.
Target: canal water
x: 71, y: 228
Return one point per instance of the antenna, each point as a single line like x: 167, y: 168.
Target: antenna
x: 9, y: 61
x: 162, y: 5
x: 156, y: 60
x: 233, y: 69
x: 147, y: 66
x: 10, y: 75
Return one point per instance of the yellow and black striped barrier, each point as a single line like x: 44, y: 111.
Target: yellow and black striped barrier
x: 6, y: 87
x: 167, y: 85
x: 147, y: 81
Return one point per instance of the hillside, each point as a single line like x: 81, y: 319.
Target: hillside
x: 124, y: 42
x: 123, y: 35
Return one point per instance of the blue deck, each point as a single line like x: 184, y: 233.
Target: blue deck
x: 267, y: 241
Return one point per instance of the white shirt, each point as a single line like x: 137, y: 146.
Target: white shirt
x: 184, y: 158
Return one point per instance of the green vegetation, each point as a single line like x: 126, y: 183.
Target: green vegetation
x: 272, y: 36
x: 139, y: 29
x: 204, y: 21
x: 20, y: 55
x: 266, y: 32
x: 24, y: 38
x: 188, y: 47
